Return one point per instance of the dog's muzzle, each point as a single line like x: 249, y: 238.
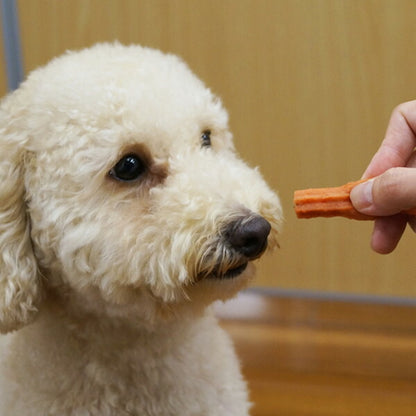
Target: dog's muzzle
x: 244, y: 240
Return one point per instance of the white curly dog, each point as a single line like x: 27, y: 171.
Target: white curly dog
x: 124, y: 213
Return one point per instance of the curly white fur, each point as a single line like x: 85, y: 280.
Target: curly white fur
x: 115, y: 278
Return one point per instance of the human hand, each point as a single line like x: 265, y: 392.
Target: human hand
x: 393, y: 187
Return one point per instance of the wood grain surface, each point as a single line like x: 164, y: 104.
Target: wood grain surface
x: 305, y: 357
x: 3, y: 80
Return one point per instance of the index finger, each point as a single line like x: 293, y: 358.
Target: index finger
x: 399, y: 142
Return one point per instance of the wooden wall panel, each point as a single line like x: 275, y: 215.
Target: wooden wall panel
x: 309, y: 85
x: 3, y: 82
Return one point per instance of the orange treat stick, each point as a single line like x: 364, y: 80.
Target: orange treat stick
x: 330, y: 202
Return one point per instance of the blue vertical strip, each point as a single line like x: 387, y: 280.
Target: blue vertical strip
x: 12, y: 47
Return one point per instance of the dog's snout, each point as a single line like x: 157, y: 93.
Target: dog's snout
x: 249, y: 237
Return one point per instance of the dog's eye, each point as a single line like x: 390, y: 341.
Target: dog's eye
x: 206, y: 138
x: 128, y: 168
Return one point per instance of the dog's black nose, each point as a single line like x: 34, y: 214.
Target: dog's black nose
x: 248, y: 236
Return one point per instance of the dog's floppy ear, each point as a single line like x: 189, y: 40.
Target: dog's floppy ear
x: 20, y: 291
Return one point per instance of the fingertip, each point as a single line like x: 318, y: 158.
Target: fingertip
x: 381, y: 248
x: 387, y: 233
x: 362, y: 196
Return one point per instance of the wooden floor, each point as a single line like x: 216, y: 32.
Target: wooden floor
x: 305, y: 357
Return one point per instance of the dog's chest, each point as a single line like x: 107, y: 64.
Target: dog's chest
x: 191, y: 371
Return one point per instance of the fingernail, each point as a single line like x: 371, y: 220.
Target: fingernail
x: 362, y: 195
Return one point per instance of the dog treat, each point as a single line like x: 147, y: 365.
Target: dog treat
x: 330, y: 202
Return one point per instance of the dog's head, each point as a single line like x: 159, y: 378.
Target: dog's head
x: 119, y: 181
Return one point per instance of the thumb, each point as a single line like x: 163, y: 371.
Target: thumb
x: 392, y: 192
